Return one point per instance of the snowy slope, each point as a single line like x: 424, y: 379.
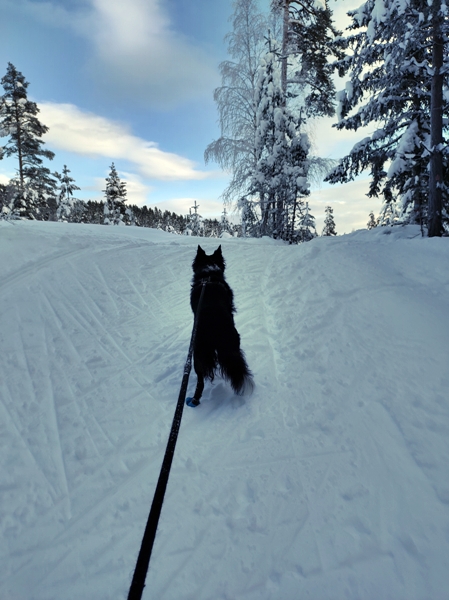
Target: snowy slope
x: 330, y: 482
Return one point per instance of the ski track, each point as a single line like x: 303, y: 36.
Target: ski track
x: 328, y: 475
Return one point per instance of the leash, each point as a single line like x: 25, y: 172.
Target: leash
x: 143, y: 560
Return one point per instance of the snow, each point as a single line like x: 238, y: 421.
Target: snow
x: 331, y: 481
x: 406, y: 148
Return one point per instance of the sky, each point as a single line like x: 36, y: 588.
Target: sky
x: 132, y: 83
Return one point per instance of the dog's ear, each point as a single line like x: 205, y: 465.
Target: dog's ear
x: 218, y: 251
x: 200, y: 251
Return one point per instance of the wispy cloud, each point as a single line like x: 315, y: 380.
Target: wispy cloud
x: 135, y: 52
x: 350, y: 203
x: 139, y: 55
x: 88, y: 134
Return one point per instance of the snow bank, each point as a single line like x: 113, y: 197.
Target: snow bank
x: 330, y: 482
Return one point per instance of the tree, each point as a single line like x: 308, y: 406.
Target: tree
x: 65, y: 197
x: 195, y: 221
x: 40, y: 194
x: 234, y: 150
x: 279, y: 179
x: 307, y: 230
x: 308, y: 44
x: 329, y: 223
x: 439, y: 39
x: 225, y: 225
x: 115, y: 198
x: 372, y: 221
x: 8, y: 195
x: 392, y: 75
x: 18, y: 121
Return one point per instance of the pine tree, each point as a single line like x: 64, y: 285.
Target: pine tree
x: 18, y: 121
x: 65, y: 197
x: 389, y: 59
x: 115, y: 193
x: 329, y: 223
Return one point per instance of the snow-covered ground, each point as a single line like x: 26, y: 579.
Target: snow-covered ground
x: 330, y: 482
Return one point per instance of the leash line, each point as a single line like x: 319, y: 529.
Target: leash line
x: 143, y: 560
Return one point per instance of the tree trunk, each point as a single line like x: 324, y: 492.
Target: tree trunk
x: 284, y: 47
x: 19, y: 146
x: 435, y: 226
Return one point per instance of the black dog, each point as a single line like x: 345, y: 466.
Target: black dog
x: 217, y: 342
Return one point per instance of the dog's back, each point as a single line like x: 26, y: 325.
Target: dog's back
x: 217, y: 344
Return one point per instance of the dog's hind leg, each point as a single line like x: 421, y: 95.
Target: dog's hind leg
x: 199, y: 387
x: 195, y: 400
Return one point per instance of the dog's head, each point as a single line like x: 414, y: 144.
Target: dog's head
x: 205, y: 265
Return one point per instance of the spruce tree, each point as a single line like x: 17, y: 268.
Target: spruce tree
x: 19, y: 122
x: 115, y: 198
x: 308, y: 47
x: 307, y: 230
x: 65, y: 197
x: 195, y: 221
x: 372, y: 221
x: 225, y: 225
x: 329, y: 223
x: 279, y: 181
x: 392, y: 69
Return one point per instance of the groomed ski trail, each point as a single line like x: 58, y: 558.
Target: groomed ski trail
x: 329, y: 482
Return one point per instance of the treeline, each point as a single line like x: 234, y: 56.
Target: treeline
x: 93, y: 212
x: 37, y: 193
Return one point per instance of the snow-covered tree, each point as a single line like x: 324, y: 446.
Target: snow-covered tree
x: 115, y: 198
x: 279, y: 180
x: 8, y: 195
x: 329, y: 223
x: 65, y: 196
x: 307, y: 48
x: 38, y: 198
x: 251, y: 225
x: 372, y: 221
x: 391, y: 64
x: 19, y: 122
x: 306, y: 230
x: 225, y: 226
x: 234, y: 150
x: 195, y: 221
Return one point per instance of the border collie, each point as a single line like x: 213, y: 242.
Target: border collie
x: 217, y: 342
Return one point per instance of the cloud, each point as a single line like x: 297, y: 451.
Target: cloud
x: 139, y: 56
x: 134, y: 53
x: 350, y: 203
x: 88, y: 134
x: 136, y: 191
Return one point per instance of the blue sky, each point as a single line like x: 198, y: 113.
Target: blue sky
x: 132, y: 82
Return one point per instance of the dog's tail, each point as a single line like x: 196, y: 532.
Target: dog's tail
x: 234, y: 368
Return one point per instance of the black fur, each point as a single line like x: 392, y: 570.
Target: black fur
x: 217, y: 343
